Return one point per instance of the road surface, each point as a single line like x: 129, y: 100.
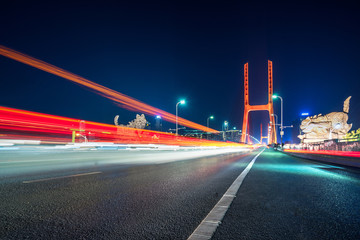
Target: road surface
x: 94, y: 195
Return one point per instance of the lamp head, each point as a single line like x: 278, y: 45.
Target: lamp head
x: 182, y: 101
x: 158, y: 117
x: 274, y: 96
x: 211, y: 117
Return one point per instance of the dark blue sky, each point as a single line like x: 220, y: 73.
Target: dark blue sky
x: 159, y: 52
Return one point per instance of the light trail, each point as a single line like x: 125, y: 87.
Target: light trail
x: 21, y: 124
x: 122, y: 99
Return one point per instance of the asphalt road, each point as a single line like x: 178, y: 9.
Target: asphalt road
x: 112, y: 194
x: 285, y: 197
x: 97, y: 196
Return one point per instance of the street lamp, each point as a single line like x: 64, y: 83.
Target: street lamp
x: 281, y: 124
x: 211, y: 117
x: 158, y: 123
x: 180, y: 102
x: 336, y: 127
x: 225, y: 127
x: 207, y: 124
x: 226, y: 124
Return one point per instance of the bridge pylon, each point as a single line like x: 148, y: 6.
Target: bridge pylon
x: 261, y: 134
x: 266, y: 107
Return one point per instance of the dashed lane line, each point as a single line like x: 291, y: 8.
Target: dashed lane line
x: 54, y: 178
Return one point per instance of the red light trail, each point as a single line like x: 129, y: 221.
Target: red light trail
x: 326, y: 152
x: 122, y: 99
x: 21, y: 124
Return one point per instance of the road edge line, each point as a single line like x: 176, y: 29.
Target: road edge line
x: 209, y: 224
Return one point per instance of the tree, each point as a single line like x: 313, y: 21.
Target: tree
x: 139, y: 122
x: 353, y: 135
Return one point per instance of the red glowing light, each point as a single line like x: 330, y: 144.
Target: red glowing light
x: 326, y: 152
x: 21, y: 124
x: 121, y: 99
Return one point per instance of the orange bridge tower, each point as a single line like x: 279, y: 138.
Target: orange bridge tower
x: 267, y: 107
x: 261, y: 135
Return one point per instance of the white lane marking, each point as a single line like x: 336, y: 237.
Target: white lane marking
x: 54, y: 178
x: 208, y: 226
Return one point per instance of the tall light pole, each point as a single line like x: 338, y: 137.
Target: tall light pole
x: 158, y: 123
x: 211, y: 117
x: 337, y: 126
x: 207, y: 124
x: 281, y: 117
x: 225, y: 128
x: 226, y: 125
x: 181, y: 102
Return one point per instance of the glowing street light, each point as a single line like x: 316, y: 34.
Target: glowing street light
x: 337, y: 126
x: 211, y: 117
x: 158, y: 123
x: 281, y: 124
x: 226, y: 125
x: 225, y: 128
x: 180, y: 102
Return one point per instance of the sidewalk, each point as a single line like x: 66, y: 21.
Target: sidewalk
x: 284, y: 197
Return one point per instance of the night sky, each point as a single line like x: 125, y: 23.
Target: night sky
x: 160, y: 52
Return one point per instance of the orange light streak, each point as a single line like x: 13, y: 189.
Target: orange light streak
x: 123, y: 100
x: 21, y: 124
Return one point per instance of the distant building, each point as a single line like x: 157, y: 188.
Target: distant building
x: 229, y: 135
